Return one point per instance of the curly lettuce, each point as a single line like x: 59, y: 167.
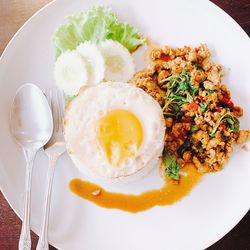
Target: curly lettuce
x: 97, y: 24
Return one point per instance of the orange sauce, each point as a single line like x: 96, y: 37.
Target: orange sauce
x: 167, y: 195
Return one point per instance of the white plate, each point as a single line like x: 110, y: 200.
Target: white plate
x: 214, y: 206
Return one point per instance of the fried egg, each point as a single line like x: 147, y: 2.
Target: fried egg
x: 114, y: 131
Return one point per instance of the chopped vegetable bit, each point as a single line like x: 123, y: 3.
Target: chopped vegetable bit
x: 212, y: 134
x: 210, y: 91
x: 230, y: 119
x: 197, y: 66
x: 172, y: 168
x: 233, y: 123
x: 193, y: 106
x: 186, y: 146
x: 165, y: 58
x: 203, y: 106
x: 193, y: 129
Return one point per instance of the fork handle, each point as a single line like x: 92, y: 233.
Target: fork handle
x: 43, y: 243
x: 25, y: 240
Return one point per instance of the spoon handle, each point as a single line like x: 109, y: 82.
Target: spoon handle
x: 25, y: 240
x: 43, y: 243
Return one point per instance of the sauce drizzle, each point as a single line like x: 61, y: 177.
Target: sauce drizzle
x: 167, y: 195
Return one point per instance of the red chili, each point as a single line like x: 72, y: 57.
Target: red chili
x: 223, y: 125
x: 237, y: 109
x: 201, y: 98
x: 193, y: 106
x: 226, y: 98
x: 219, y: 109
x: 230, y: 104
x: 186, y: 119
x: 165, y: 57
x: 203, y: 155
x: 183, y: 134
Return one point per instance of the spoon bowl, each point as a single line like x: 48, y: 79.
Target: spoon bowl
x: 31, y: 119
x: 31, y: 125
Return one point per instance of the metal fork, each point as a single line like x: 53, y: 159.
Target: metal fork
x: 54, y: 148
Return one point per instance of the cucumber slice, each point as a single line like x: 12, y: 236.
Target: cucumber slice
x: 94, y: 60
x: 118, y: 61
x: 70, y: 72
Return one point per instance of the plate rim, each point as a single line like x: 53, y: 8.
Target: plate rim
x: 53, y: 2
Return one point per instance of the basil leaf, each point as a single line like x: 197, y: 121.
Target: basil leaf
x: 171, y: 167
x: 212, y: 134
x: 197, y: 66
x: 203, y: 106
x: 210, y: 91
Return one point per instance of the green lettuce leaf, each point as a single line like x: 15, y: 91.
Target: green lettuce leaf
x: 97, y: 24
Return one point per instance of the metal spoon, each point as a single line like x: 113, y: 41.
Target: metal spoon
x: 31, y: 125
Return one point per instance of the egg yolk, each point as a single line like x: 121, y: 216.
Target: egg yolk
x: 120, y: 135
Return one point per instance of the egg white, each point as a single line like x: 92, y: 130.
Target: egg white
x: 81, y: 124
